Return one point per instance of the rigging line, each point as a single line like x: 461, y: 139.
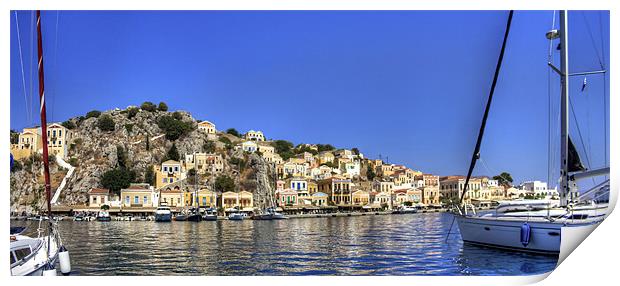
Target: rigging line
x: 600, y: 24
x: 32, y: 39
x: 549, y: 60
x: 55, y: 74
x: 21, y: 61
x: 476, y: 153
x: 583, y: 15
x: 580, y: 137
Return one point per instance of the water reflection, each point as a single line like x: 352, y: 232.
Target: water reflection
x: 366, y: 245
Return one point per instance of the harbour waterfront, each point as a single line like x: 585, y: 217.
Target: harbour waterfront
x: 413, y: 244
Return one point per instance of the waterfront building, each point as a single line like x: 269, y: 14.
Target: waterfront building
x: 98, y: 197
x: 287, y: 197
x: 138, y: 195
x: 319, y: 199
x: 205, y: 163
x: 539, y: 189
x: 295, y: 169
x: 452, y: 186
x: 173, y: 197
x: 338, y: 189
x: 255, y: 136
x: 322, y: 172
x: 382, y: 199
x: 298, y: 184
x: 361, y: 198
x: 169, y: 172
x: 242, y: 200
x: 206, y: 198
x: 407, y: 195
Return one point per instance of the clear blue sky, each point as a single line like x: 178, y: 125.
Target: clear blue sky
x: 410, y: 85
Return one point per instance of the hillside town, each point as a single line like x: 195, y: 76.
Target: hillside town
x: 305, y: 178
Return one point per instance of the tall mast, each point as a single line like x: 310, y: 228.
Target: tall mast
x: 46, y: 164
x: 564, y: 178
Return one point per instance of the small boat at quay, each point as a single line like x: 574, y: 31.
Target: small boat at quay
x: 236, y: 216
x: 269, y: 214
x: 103, y: 215
x: 163, y: 214
x: 210, y: 215
x: 406, y: 210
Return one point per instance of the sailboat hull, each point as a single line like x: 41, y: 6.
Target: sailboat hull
x: 545, y: 236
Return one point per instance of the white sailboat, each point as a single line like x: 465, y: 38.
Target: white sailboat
x: 38, y: 256
x: 538, y: 226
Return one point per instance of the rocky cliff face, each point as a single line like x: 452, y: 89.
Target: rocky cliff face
x: 93, y: 152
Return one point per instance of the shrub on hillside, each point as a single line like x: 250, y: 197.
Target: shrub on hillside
x: 106, y: 123
x: 173, y: 127
x: 117, y: 179
x: 69, y: 124
x: 162, y: 106
x: 132, y: 112
x: 148, y: 106
x: 93, y: 113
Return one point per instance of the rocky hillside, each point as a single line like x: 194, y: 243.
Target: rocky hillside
x: 93, y: 151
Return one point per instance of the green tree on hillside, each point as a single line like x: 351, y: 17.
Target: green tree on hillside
x: 117, y: 179
x: 162, y: 106
x: 149, y: 176
x: 224, y: 184
x: 69, y: 124
x: 173, y: 127
x: 93, y: 113
x: 132, y: 112
x: 148, y: 106
x: 106, y: 123
x: 233, y: 131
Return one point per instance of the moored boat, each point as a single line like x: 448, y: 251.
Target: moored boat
x: 103, y: 215
x: 163, y: 214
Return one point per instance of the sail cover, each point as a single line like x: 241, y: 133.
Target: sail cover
x: 574, y: 162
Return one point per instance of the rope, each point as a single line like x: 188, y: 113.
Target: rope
x: 549, y: 60
x: 21, y: 61
x: 580, y: 137
x: 592, y: 40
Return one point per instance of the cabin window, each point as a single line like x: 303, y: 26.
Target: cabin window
x: 12, y: 257
x: 21, y: 253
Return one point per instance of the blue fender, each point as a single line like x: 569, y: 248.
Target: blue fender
x: 526, y: 231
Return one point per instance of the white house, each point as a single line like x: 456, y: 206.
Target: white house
x: 254, y: 136
x: 249, y: 146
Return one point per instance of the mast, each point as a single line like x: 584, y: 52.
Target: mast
x: 46, y: 164
x: 564, y: 177
x: 476, y: 155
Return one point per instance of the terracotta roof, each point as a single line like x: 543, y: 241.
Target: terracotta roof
x: 99, y: 191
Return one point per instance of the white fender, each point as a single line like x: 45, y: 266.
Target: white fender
x: 64, y: 260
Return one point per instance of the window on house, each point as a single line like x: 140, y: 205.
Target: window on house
x: 127, y: 200
x: 144, y: 200
x: 136, y: 200
x: 165, y: 169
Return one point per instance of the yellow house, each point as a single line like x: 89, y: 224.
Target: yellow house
x: 137, y: 195
x: 29, y: 142
x: 312, y: 187
x: 339, y: 190
x: 173, y: 197
x: 58, y: 138
x: 319, y: 199
x: 212, y: 163
x: 207, y: 198
x: 243, y: 200
x: 361, y: 198
x: 207, y: 127
x: 326, y: 157
x: 169, y: 172
x: 98, y: 197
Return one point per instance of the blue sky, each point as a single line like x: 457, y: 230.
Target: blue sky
x: 407, y: 85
